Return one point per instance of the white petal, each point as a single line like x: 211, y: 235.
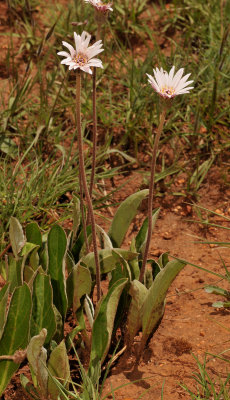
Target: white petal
x: 167, y: 80
x: 66, y: 61
x: 95, y: 62
x: 177, y: 77
x: 71, y: 49
x: 93, y: 52
x: 153, y: 83
x: 97, y: 44
x: 159, y: 76
x: 183, y: 85
x: 77, y: 39
x: 182, y: 80
x: 171, y: 73
x: 86, y: 69
x: 186, y: 90
x: 85, y: 37
x: 63, y: 53
x: 72, y: 63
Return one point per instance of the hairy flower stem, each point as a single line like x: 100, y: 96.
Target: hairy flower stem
x: 151, y: 189
x: 84, y: 182
x: 94, y: 152
x: 84, y: 223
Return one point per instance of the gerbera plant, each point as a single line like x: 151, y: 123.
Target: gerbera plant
x: 101, y: 13
x: 82, y: 58
x: 55, y: 276
x: 167, y: 85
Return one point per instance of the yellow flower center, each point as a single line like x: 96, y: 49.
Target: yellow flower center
x: 80, y: 59
x: 169, y: 91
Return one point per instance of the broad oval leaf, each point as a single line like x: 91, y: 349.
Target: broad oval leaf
x: 16, y: 331
x: 17, y: 238
x: 104, y: 239
x: 4, y: 293
x: 143, y: 232
x: 124, y: 216
x: 37, y: 356
x: 15, y: 272
x: 108, y: 259
x: 33, y: 234
x: 58, y: 366
x: 43, y: 315
x: 134, y: 264
x: 57, y: 243
x: 153, y: 306
x: 79, y: 283
x: 138, y: 292
x: 103, y: 325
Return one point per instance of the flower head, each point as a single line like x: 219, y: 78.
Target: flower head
x: 100, y: 6
x: 170, y: 85
x: 82, y: 56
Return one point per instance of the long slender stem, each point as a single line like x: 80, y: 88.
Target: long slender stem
x: 94, y: 133
x: 151, y: 189
x: 84, y: 182
x: 94, y: 152
x: 83, y: 211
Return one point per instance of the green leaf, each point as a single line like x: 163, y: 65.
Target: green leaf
x: 138, y: 291
x: 8, y: 146
x: 79, y: 283
x: 76, y: 218
x: 143, y: 232
x: 108, y: 259
x: 4, y: 293
x: 77, y: 246
x: 43, y: 315
x: 29, y: 388
x: 14, y: 273
x: 122, y: 269
x: 58, y: 336
x: 16, y: 331
x: 28, y: 275
x: 153, y: 307
x: 3, y: 269
x: 56, y: 266
x: 163, y: 260
x: 27, y: 249
x: 58, y: 366
x: 221, y: 304
x: 71, y: 335
x: 37, y: 356
x: 104, y: 239
x: 134, y: 264
x: 70, y: 263
x: 17, y: 238
x: 124, y: 216
x: 103, y: 325
x: 217, y: 290
x: 33, y: 234
x: 34, y: 260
